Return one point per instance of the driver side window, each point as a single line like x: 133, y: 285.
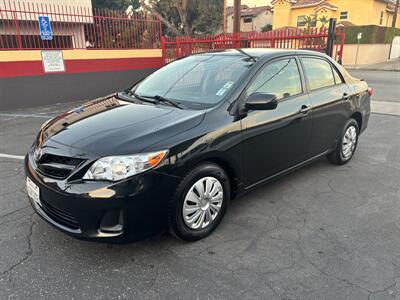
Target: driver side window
x: 280, y: 78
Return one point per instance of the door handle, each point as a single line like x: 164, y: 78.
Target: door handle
x: 305, y: 109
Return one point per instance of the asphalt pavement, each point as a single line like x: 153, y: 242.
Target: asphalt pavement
x: 386, y: 85
x: 322, y: 232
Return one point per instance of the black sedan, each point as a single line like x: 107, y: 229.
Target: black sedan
x: 174, y: 149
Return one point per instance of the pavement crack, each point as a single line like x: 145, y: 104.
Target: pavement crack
x: 23, y: 216
x: 392, y: 286
x: 28, y: 253
x: 153, y: 283
x: 321, y: 270
x: 14, y: 212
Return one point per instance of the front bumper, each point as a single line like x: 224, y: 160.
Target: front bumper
x: 111, y: 212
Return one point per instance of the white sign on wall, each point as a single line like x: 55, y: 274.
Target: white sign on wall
x: 53, y: 61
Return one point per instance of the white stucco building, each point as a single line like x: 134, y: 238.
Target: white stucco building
x: 252, y: 18
x: 19, y: 23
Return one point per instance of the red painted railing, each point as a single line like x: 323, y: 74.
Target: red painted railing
x: 75, y: 27
x: 82, y: 28
x: 311, y: 39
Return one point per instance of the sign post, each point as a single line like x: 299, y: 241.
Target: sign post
x: 359, y: 37
x: 45, y: 28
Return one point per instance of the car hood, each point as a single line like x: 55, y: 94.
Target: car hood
x: 111, y: 126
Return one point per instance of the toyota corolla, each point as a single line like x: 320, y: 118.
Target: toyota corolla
x: 174, y: 149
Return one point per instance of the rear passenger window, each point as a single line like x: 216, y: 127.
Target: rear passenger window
x: 318, y: 72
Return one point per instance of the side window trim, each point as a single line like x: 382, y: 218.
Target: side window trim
x: 335, y: 70
x: 304, y: 85
x: 302, y: 82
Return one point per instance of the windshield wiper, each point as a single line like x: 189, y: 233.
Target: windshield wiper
x: 142, y: 98
x: 128, y: 97
x: 161, y: 99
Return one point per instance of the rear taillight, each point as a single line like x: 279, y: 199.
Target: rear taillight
x: 369, y: 91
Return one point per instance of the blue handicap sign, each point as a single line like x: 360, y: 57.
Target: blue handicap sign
x: 45, y: 28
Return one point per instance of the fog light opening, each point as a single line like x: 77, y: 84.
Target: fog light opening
x: 113, y: 222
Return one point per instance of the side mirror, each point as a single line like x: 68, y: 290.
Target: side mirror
x: 260, y: 101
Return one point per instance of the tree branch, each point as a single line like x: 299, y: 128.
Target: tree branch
x: 182, y: 8
x: 170, y: 26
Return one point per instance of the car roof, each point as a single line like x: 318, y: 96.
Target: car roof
x: 262, y: 53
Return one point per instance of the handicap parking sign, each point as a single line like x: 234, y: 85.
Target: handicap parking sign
x: 45, y: 28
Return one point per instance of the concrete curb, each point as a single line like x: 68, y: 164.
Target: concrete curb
x: 391, y: 65
x: 371, y: 69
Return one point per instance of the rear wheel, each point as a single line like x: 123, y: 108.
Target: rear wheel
x: 347, y: 145
x: 199, y: 203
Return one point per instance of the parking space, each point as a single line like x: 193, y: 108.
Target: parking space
x: 323, y: 232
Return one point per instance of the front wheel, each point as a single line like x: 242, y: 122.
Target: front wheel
x: 199, y: 203
x: 347, y: 145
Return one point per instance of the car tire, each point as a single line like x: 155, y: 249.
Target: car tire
x: 190, y: 203
x: 347, y: 144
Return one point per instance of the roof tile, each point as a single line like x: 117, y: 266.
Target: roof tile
x: 300, y: 3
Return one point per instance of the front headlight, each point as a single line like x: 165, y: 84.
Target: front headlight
x: 114, y: 168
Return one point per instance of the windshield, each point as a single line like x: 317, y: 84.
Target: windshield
x: 198, y: 81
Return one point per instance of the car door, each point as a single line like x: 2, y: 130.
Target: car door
x: 274, y: 140
x: 329, y: 96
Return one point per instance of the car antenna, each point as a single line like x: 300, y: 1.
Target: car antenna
x: 248, y: 55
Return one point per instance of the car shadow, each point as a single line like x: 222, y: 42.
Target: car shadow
x: 259, y: 205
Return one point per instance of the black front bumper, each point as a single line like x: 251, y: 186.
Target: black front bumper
x: 111, y: 212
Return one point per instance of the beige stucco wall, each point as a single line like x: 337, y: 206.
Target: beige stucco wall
x: 367, y: 54
x: 360, y: 12
x: 395, y: 50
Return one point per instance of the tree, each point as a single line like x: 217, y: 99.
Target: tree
x: 396, y: 9
x: 310, y: 21
x: 205, y: 16
x: 116, y: 4
x: 164, y: 13
x: 323, y: 20
x: 187, y: 16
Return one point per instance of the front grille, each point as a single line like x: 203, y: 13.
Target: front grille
x: 60, y: 216
x: 57, y: 166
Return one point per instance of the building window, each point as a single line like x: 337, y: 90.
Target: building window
x: 381, y: 19
x: 313, y: 20
x: 248, y: 20
x: 343, y: 15
x: 301, y: 21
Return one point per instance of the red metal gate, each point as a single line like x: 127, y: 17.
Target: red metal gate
x: 310, y: 39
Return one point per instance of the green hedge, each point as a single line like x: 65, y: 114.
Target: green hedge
x: 371, y: 34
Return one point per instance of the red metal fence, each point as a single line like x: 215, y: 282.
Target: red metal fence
x: 75, y: 27
x: 310, y: 39
x: 82, y: 28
